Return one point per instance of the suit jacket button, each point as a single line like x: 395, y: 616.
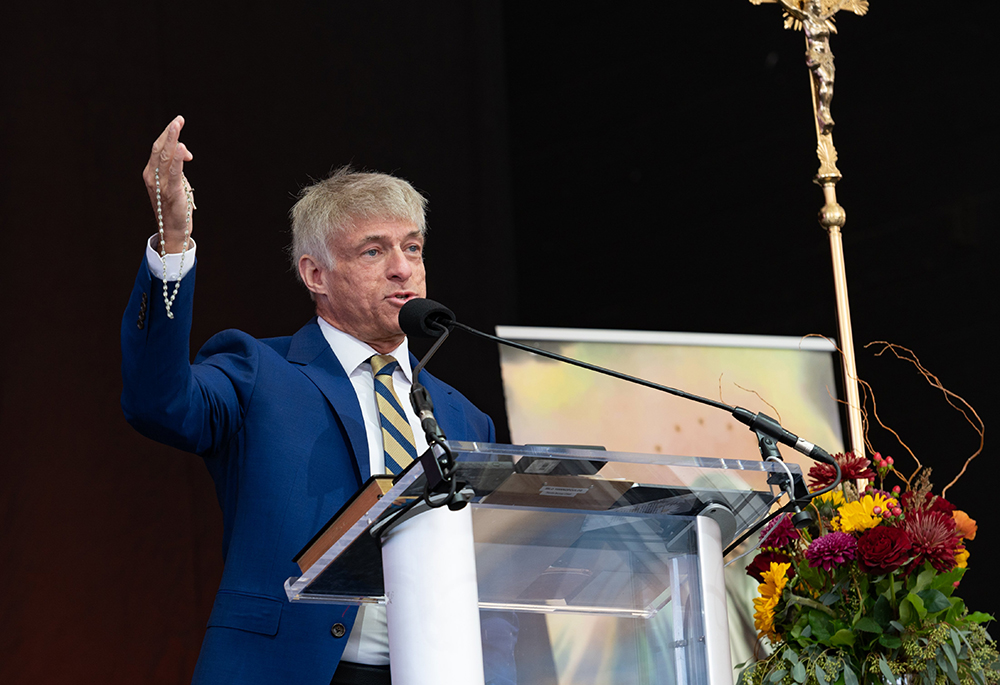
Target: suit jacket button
x: 145, y: 298
x: 140, y: 324
x: 338, y: 630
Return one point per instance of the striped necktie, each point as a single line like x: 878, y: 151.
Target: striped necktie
x: 397, y: 436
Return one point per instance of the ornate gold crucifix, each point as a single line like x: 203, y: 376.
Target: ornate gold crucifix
x: 816, y: 19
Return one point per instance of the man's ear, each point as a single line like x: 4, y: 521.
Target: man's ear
x: 312, y: 274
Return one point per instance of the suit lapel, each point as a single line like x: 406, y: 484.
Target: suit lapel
x: 312, y: 352
x: 447, y: 411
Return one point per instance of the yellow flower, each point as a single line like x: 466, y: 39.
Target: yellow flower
x: 961, y: 557
x: 770, y: 592
x: 834, y: 497
x: 856, y: 517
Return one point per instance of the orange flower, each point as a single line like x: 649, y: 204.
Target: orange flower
x: 964, y: 525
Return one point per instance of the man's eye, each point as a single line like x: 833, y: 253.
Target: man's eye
x: 414, y: 248
x: 372, y: 252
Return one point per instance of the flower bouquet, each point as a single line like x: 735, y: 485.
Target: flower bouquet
x: 865, y: 593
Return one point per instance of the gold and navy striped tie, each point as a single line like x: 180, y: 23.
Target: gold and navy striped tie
x: 397, y: 436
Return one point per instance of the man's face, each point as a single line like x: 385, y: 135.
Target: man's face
x: 378, y: 267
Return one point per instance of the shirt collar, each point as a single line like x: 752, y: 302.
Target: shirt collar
x: 352, y: 353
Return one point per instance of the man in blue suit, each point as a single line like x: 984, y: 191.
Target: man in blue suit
x: 288, y: 427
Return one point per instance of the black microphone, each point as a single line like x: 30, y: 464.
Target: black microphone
x: 767, y: 425
x: 423, y: 318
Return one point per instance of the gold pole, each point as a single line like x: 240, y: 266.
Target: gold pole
x: 815, y: 18
x: 832, y: 218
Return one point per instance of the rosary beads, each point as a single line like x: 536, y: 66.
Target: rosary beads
x: 189, y: 195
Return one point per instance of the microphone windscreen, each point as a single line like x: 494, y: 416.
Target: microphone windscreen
x: 423, y: 318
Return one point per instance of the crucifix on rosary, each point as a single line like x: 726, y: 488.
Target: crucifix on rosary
x: 816, y: 19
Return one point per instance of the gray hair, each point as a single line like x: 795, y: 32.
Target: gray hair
x: 333, y: 205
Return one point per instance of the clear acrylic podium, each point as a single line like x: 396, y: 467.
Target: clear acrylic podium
x: 609, y: 564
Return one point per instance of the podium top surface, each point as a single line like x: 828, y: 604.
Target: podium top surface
x: 561, y: 497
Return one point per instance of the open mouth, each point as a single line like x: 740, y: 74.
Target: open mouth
x: 401, y: 298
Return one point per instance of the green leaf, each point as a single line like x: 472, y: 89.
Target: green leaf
x: 945, y: 582
x: 777, y: 675
x: 807, y: 631
x: 868, y: 625
x: 830, y: 597
x: 821, y: 625
x: 918, y: 604
x: 811, y: 576
x: 949, y: 651
x: 957, y: 609
x: 952, y: 673
x: 957, y: 641
x: 907, y: 614
x: 850, y: 678
x: 882, y: 612
x: 821, y: 675
x: 790, y: 656
x: 886, y: 671
x: 947, y: 668
x: 890, y: 641
x: 934, y: 600
x: 978, y: 617
x: 842, y: 637
x: 799, y: 672
x: 925, y: 578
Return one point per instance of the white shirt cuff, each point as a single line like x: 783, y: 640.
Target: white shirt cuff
x: 175, y: 271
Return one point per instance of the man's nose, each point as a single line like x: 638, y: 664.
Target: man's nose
x: 399, y: 266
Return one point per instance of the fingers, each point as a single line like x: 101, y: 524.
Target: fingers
x: 165, y: 146
x: 180, y: 156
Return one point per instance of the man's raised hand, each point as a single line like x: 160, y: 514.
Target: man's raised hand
x: 168, y: 155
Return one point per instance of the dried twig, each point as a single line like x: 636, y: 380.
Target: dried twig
x: 869, y: 392
x: 773, y: 408
x: 965, y: 410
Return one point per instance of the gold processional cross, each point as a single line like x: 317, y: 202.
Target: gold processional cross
x: 815, y: 18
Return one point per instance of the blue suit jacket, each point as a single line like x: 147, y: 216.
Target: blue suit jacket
x: 278, y: 424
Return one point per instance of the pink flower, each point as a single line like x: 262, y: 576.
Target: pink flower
x: 830, y: 550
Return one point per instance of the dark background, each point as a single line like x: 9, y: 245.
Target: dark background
x: 636, y: 167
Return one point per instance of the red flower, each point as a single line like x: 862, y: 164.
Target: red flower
x: 762, y: 562
x: 783, y: 533
x: 934, y: 539
x: 852, y: 467
x: 931, y: 503
x: 883, y: 549
x: 940, y: 504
